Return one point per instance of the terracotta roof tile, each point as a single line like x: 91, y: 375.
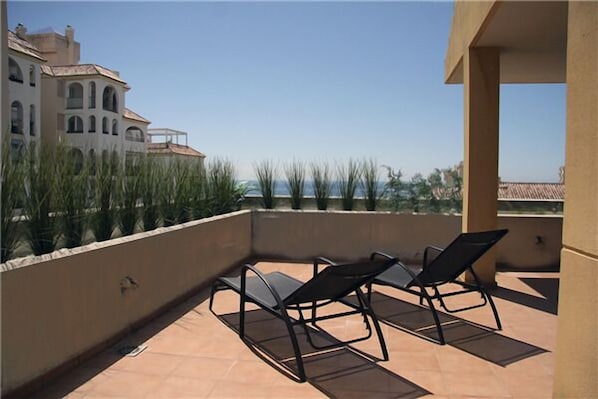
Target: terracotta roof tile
x: 127, y: 113
x: 171, y: 148
x: 17, y: 44
x: 531, y: 191
x: 82, y: 70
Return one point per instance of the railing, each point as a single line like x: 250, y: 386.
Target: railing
x: 74, y: 103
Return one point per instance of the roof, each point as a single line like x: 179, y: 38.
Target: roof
x: 82, y: 70
x: 127, y: 113
x: 46, y: 30
x: 19, y: 45
x: 171, y: 148
x: 531, y: 191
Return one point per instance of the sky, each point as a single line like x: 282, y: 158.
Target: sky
x: 309, y: 81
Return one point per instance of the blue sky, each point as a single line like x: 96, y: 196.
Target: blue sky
x: 310, y: 81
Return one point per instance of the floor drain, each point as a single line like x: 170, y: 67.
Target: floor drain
x: 131, y: 350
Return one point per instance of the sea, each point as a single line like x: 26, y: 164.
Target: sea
x: 282, y: 189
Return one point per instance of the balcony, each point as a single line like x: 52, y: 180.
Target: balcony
x: 74, y: 103
x: 75, y: 301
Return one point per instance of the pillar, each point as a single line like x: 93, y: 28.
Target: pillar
x: 576, y: 368
x: 481, y: 70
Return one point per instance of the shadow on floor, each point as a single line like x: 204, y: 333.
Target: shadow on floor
x: 477, y: 340
x: 341, y: 372
x: 88, y: 369
x: 547, y: 287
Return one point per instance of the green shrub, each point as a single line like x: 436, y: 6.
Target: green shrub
x: 295, y: 173
x: 266, y: 177
x: 348, y: 179
x: 369, y: 182
x: 106, y: 197
x: 322, y: 185
x: 198, y: 193
x: 130, y: 192
x: 149, y: 191
x: 181, y: 200
x: 12, y: 194
x: 72, y: 174
x: 223, y: 193
x: 42, y: 229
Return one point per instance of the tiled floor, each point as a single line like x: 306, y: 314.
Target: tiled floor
x: 192, y: 353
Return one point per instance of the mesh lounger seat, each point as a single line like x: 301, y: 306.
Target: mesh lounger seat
x: 278, y: 293
x: 441, y: 266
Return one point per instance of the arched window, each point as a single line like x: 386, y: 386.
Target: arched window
x: 32, y: 126
x: 92, y: 124
x: 105, y: 125
x: 92, y: 162
x: 92, y: 95
x: 75, y: 125
x: 16, y: 118
x: 76, y: 157
x: 114, y: 127
x: 14, y: 71
x: 134, y: 134
x: 31, y: 75
x: 75, y: 96
x: 109, y: 99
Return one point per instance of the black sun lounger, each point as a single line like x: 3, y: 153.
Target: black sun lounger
x: 277, y: 293
x: 441, y: 266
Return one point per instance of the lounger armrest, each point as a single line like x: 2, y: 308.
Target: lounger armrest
x: 322, y: 260
x: 382, y: 254
x: 427, y: 250
x: 248, y: 267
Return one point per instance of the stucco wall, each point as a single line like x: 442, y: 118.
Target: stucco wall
x: 57, y: 306
x: 301, y: 235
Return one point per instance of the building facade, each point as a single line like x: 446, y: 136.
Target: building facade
x: 24, y: 92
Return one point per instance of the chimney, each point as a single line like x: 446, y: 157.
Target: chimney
x: 71, y: 46
x: 21, y: 32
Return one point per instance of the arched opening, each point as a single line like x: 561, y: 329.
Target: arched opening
x: 32, y: 126
x: 114, y: 127
x: 14, y: 71
x: 105, y: 125
x: 133, y: 133
x: 92, y: 124
x: 76, y: 157
x: 16, y: 118
x: 75, y: 96
x: 75, y: 125
x: 109, y: 99
x: 92, y: 95
x: 31, y: 75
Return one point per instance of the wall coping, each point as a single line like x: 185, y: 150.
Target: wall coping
x: 30, y: 260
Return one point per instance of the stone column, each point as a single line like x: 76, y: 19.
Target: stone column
x: 576, y: 369
x: 481, y: 78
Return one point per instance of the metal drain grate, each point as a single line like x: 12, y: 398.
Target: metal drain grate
x: 131, y: 350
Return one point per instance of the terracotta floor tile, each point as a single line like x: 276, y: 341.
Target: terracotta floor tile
x: 193, y: 353
x: 203, y: 367
x: 180, y: 387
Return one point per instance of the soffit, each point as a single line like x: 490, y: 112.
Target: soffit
x: 532, y: 38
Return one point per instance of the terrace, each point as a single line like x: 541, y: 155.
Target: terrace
x: 82, y: 314
x: 76, y: 310
x: 192, y: 353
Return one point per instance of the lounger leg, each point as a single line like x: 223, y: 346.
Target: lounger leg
x: 212, y: 292
x: 434, y: 314
x: 242, y: 316
x: 494, y: 310
x: 367, y: 308
x: 295, y: 343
